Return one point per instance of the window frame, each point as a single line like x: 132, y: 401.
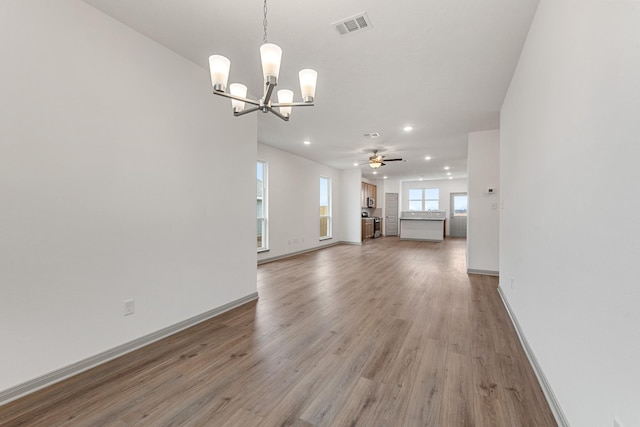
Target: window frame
x: 424, y: 201
x: 454, y: 197
x: 265, y: 203
x: 328, y: 217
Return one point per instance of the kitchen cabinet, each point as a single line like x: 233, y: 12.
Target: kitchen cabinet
x: 368, y: 191
x: 367, y: 228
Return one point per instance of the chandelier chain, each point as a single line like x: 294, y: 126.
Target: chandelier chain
x: 264, y: 23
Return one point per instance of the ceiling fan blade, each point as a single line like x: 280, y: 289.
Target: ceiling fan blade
x: 392, y: 160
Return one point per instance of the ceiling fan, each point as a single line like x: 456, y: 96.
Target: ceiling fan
x: 377, y: 160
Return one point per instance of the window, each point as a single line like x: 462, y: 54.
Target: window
x: 261, y: 205
x: 424, y: 199
x: 325, y: 208
x: 459, y: 204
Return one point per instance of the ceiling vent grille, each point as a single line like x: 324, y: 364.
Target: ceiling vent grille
x: 358, y: 22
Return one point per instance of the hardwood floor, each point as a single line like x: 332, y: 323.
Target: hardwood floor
x: 391, y: 333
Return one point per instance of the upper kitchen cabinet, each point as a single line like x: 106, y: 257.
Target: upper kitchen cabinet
x: 369, y: 192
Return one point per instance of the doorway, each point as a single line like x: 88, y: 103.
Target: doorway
x: 459, y: 203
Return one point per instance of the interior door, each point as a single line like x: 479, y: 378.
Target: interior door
x: 391, y: 214
x: 458, y: 227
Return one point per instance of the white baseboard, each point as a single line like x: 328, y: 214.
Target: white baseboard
x: 38, y: 383
x: 292, y: 254
x: 344, y: 242
x: 485, y: 272
x: 558, y: 414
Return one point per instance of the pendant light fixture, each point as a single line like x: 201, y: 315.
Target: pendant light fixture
x: 270, y: 55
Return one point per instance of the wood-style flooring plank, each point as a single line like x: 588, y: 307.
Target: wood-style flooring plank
x: 457, y: 392
x: 425, y: 400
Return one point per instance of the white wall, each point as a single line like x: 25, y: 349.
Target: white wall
x: 351, y: 184
x: 446, y: 186
x: 294, y: 202
x: 483, y: 222
x: 112, y: 187
x: 570, y: 187
x: 392, y: 186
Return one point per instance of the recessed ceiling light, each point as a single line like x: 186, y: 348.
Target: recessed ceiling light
x: 355, y: 164
x: 446, y: 168
x: 448, y: 173
x: 375, y: 172
x: 307, y: 142
x: 384, y: 177
x: 450, y: 177
x: 408, y: 128
x: 427, y: 158
x: 419, y: 179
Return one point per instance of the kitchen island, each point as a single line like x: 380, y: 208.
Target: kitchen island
x: 423, y: 225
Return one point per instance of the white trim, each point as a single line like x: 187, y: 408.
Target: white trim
x: 265, y: 205
x: 58, y: 375
x: 329, y: 214
x: 485, y: 272
x: 292, y: 254
x: 558, y: 414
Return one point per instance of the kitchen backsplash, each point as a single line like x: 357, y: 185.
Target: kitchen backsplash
x: 373, y: 212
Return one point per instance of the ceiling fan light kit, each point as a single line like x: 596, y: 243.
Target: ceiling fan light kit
x: 378, y: 160
x: 271, y: 56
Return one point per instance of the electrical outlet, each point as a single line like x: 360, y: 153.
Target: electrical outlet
x: 129, y: 307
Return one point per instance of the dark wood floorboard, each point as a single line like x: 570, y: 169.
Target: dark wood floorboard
x: 390, y: 333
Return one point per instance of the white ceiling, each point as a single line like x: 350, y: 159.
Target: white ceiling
x: 442, y: 66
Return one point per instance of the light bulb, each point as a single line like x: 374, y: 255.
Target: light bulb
x: 237, y: 89
x: 271, y: 55
x: 308, y: 80
x: 219, y: 67
x: 285, y: 96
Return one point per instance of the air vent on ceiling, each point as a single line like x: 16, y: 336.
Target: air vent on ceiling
x: 349, y: 25
x: 372, y: 135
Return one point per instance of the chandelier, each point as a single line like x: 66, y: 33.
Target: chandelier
x: 270, y: 55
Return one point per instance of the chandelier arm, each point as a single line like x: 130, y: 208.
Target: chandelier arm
x: 294, y: 104
x: 277, y: 113
x: 246, y: 111
x: 237, y: 98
